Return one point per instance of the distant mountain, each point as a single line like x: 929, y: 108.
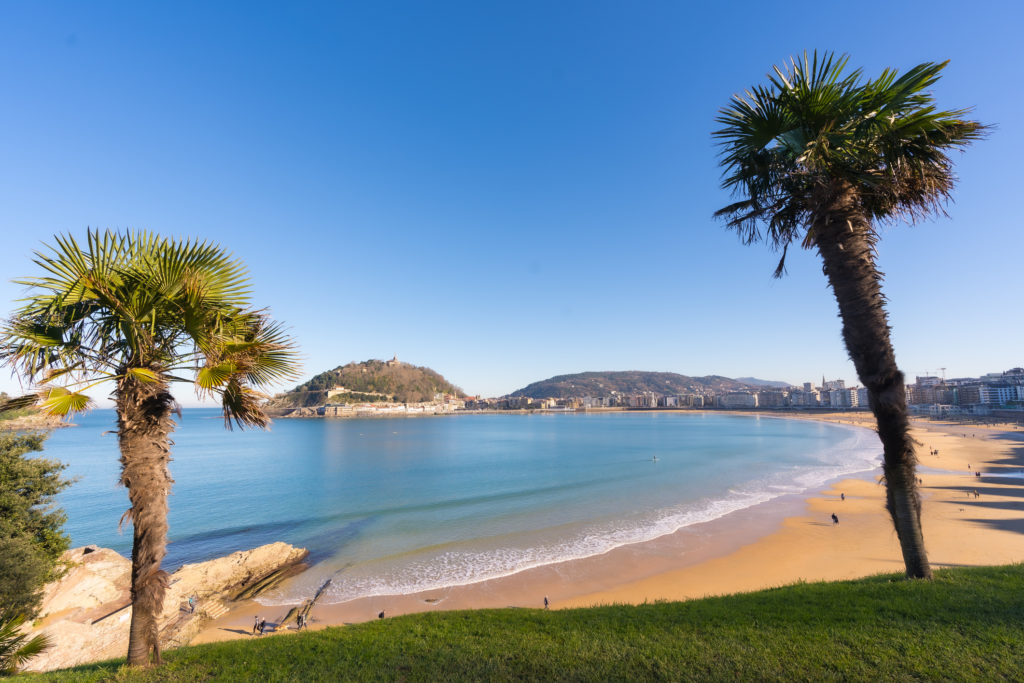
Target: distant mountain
x: 774, y: 384
x: 600, y: 384
x: 371, y: 380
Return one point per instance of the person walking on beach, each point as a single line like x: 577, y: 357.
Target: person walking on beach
x: 256, y: 625
x: 842, y: 496
x: 191, y: 604
x: 546, y: 603
x: 263, y: 625
x: 835, y: 519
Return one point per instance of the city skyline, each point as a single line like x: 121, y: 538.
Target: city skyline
x: 502, y: 193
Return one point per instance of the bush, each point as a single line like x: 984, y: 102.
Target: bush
x: 31, y: 535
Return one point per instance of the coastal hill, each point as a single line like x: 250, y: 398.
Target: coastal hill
x: 600, y: 384
x: 371, y: 380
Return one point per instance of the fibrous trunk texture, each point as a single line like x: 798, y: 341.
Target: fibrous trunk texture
x: 846, y: 243
x: 144, y: 426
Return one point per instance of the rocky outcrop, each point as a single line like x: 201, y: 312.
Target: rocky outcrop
x: 32, y: 423
x: 87, y: 612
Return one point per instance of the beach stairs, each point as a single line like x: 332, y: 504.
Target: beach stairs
x: 187, y: 624
x: 212, y: 608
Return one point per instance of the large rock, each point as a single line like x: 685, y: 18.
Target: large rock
x: 87, y: 612
x: 97, y: 577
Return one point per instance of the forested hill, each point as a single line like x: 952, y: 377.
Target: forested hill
x: 600, y: 384
x: 368, y: 381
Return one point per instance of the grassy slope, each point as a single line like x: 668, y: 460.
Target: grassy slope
x: 967, y: 624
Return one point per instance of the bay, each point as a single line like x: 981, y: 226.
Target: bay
x: 389, y: 506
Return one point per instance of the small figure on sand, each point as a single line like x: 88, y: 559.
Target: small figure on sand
x: 262, y: 626
x: 976, y: 494
x: 842, y: 496
x: 256, y: 624
x: 546, y: 603
x: 977, y: 473
x: 835, y: 519
x: 300, y: 621
x: 381, y: 615
x: 191, y: 604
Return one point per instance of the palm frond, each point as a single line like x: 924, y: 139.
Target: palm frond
x: 61, y: 402
x: 16, y: 648
x: 243, y: 406
x: 816, y: 124
x: 18, y: 402
x: 136, y: 302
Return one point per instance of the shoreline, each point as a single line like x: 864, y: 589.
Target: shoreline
x: 785, y: 540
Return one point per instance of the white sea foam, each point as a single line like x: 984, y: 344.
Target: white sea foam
x: 485, y: 559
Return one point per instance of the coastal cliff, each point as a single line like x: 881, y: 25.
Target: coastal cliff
x: 87, y: 612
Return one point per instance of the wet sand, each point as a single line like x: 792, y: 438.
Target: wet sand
x: 786, y: 540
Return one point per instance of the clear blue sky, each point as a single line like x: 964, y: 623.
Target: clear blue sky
x: 500, y: 191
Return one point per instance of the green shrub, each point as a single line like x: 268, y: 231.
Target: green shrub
x: 31, y: 535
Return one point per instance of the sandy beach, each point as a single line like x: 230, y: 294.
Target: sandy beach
x: 968, y: 520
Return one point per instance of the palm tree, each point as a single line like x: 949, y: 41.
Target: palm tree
x: 143, y: 311
x: 16, y: 647
x: 824, y: 157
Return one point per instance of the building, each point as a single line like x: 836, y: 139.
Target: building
x: 843, y: 398
x: 996, y: 394
x: 805, y: 398
x: 969, y: 395
x: 772, y: 399
x: 738, y: 399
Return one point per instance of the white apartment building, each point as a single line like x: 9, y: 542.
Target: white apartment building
x: 862, y: 397
x: 738, y: 399
x: 997, y: 394
x: 843, y: 398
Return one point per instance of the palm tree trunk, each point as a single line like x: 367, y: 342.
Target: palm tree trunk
x: 846, y: 243
x: 144, y: 425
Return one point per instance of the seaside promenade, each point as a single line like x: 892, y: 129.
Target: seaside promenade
x: 968, y: 520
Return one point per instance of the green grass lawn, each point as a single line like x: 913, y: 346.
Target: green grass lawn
x: 966, y: 624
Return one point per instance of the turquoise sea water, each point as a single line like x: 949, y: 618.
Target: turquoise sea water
x: 392, y: 506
